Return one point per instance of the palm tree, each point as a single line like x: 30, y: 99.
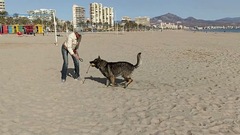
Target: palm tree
x: 3, y: 15
x: 51, y: 23
x: 105, y: 26
x: 129, y: 25
x: 140, y: 26
x: 22, y: 20
x: 69, y: 25
x: 10, y: 21
x: 100, y: 24
x: 88, y: 22
x: 15, y: 15
x: 37, y: 21
x: 82, y: 24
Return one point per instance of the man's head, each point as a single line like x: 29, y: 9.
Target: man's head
x: 78, y: 32
x: 78, y: 35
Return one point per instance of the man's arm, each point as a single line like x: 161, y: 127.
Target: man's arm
x: 72, y: 51
x: 79, y: 38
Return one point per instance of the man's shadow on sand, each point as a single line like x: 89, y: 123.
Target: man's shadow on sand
x: 70, y: 72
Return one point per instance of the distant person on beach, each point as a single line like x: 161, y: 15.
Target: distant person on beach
x: 34, y: 31
x: 71, y: 45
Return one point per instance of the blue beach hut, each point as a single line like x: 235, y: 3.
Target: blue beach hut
x: 10, y: 29
x: 1, y: 29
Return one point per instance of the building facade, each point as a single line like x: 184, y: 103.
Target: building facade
x: 143, y: 21
x: 45, y: 14
x: 101, y: 15
x: 2, y: 5
x: 78, y: 15
x: 126, y: 18
x: 173, y: 26
x: 108, y: 16
x: 96, y: 14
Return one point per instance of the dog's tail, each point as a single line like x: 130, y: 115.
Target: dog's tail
x: 138, y: 60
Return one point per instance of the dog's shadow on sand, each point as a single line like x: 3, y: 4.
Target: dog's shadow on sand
x: 103, y: 80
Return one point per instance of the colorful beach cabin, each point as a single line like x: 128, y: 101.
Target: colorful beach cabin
x: 5, y: 29
x: 1, y: 29
x: 39, y: 28
x: 15, y: 28
x: 28, y: 29
x: 20, y: 28
x: 10, y: 29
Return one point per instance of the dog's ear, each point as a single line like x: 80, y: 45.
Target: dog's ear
x: 99, y: 57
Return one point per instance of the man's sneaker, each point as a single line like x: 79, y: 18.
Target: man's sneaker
x: 63, y: 80
x: 78, y: 78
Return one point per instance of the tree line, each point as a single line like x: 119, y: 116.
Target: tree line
x: 6, y: 19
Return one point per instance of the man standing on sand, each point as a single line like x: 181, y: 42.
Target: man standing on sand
x: 71, y: 46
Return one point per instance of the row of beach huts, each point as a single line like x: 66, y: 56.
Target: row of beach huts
x: 24, y: 29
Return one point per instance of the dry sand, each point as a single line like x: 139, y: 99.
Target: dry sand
x: 188, y: 84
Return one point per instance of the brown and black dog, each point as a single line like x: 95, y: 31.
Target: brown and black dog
x: 111, y: 70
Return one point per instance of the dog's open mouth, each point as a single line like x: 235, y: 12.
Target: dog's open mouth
x: 92, y: 65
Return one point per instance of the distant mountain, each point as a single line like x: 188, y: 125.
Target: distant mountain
x: 170, y: 18
x: 191, y: 21
x: 235, y: 20
x: 229, y: 21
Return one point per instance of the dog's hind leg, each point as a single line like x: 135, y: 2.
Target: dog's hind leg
x: 128, y: 81
x: 111, y: 76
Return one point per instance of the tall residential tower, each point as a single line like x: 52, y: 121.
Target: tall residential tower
x: 2, y: 5
x: 78, y: 15
x: 101, y: 15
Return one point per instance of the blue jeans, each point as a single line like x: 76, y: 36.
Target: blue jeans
x: 65, y: 64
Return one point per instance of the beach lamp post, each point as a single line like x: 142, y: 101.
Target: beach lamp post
x: 123, y: 24
x: 66, y: 28
x: 160, y: 23
x: 116, y: 25
x: 55, y: 29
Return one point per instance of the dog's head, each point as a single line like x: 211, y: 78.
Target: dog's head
x: 96, y: 62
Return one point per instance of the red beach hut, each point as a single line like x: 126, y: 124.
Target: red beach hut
x: 28, y: 29
x: 5, y: 29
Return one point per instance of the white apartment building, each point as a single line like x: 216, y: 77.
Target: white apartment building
x: 78, y: 15
x: 143, y: 20
x: 96, y: 14
x: 126, y: 18
x: 100, y: 14
x: 108, y: 16
x: 2, y: 5
x: 173, y: 26
x: 45, y: 14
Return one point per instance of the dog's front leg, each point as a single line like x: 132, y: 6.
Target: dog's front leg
x: 112, y: 80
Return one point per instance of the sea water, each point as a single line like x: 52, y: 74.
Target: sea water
x: 222, y: 30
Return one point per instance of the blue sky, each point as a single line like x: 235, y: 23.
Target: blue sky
x: 200, y: 9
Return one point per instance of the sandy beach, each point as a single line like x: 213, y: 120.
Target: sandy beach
x: 187, y: 84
